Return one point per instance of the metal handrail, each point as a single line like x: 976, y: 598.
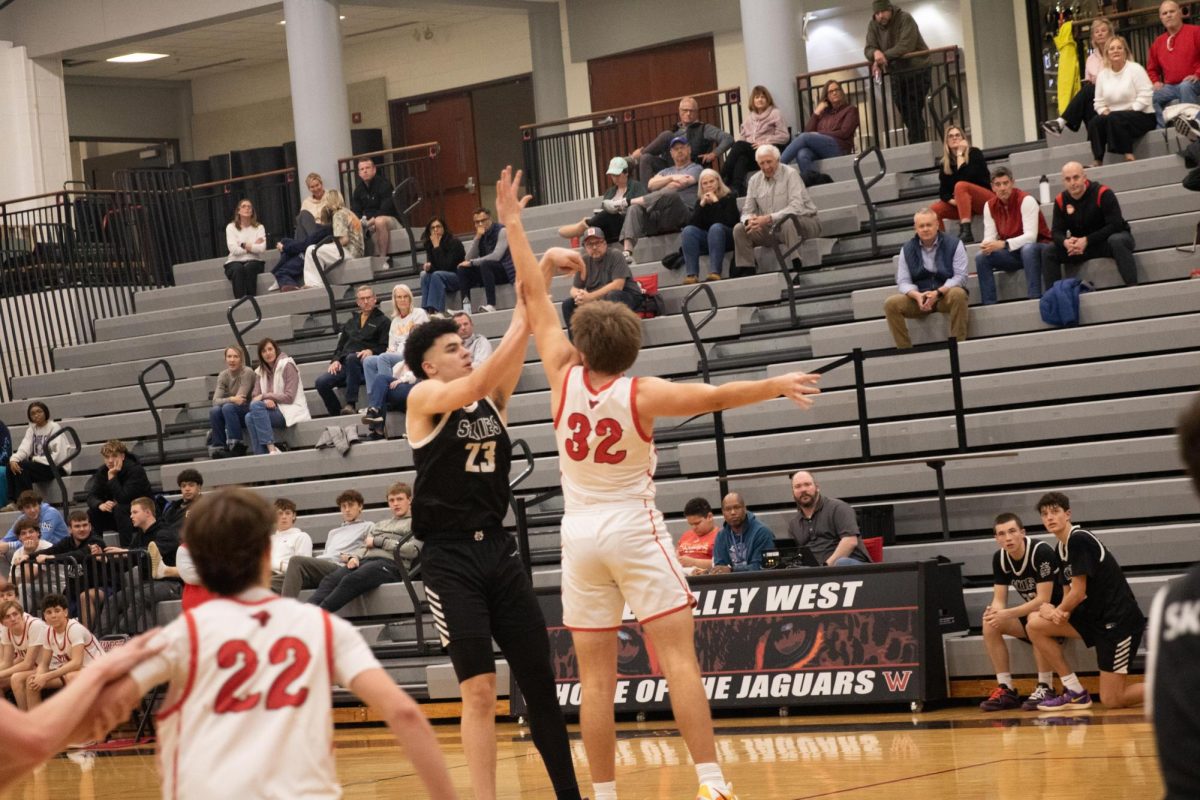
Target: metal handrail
x: 239, y: 333
x: 404, y: 216
x: 57, y: 468
x: 609, y: 116
x: 940, y: 121
x: 518, y: 505
x: 324, y: 271
x: 861, y: 64
x: 694, y: 330
x: 784, y: 257
x: 418, y: 610
x: 865, y: 187
x: 150, y: 398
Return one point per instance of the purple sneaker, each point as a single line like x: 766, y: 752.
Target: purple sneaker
x: 1002, y: 698
x: 1067, y: 701
x: 1041, y: 693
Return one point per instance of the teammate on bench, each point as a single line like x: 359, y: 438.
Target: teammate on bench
x: 1030, y: 567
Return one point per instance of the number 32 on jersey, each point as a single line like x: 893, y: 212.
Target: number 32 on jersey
x: 581, y: 429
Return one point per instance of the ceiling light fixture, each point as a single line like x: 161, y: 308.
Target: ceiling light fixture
x: 136, y: 58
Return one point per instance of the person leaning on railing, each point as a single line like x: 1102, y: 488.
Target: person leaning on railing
x: 247, y: 241
x: 707, y: 142
x: 829, y: 132
x: 891, y: 35
x: 763, y: 125
x: 611, y: 214
x: 1082, y: 107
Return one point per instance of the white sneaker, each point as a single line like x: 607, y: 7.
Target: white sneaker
x: 485, y: 308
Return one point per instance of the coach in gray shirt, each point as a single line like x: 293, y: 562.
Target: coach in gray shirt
x: 825, y: 525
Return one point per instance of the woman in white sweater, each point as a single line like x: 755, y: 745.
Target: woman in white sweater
x: 29, y: 464
x: 405, y: 317
x: 1124, y: 103
x: 279, y: 400
x: 247, y: 241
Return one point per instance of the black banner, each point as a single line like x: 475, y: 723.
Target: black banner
x: 799, y: 637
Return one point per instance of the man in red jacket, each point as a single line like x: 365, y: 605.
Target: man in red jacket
x: 1174, y: 62
x: 1015, y: 235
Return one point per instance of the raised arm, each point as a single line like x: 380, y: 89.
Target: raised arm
x: 661, y: 398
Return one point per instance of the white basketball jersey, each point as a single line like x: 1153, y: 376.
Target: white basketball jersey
x: 247, y: 714
x: 604, y: 454
x: 31, y: 634
x: 60, y: 644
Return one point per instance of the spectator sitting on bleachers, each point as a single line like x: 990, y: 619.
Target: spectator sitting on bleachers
x: 22, y: 637
x: 1173, y: 63
x: 669, y: 204
x: 1015, y: 235
x: 29, y: 464
x: 374, y: 562
x: 113, y: 487
x: 311, y: 207
x: 763, y: 125
x: 742, y: 540
x: 279, y: 400
x: 289, y: 269
x: 5, y: 455
x: 306, y: 572
x: 191, y: 485
x: 31, y: 544
x: 83, y: 545
x: 230, y: 404
x: 930, y: 276
x: 705, y: 143
x: 477, y: 344
x: 48, y: 519
x: 372, y: 204
x: 964, y: 187
x: 247, y: 241
x: 825, y: 525
x: 439, y: 275
x: 611, y: 214
x: 1124, y: 104
x: 363, y: 334
x: 1082, y: 107
x: 69, y: 648
x: 1032, y: 568
x: 600, y: 273
x: 776, y: 191
x: 163, y: 583
x: 286, y: 542
x: 695, y: 548
x: 1087, y: 224
x: 348, y: 231
x: 710, y: 230
x: 488, y: 262
x: 829, y: 132
x: 404, y: 318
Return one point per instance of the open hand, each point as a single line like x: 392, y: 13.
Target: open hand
x: 799, y: 386
x: 509, y: 200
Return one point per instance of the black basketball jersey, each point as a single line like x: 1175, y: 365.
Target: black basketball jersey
x: 1110, y: 604
x: 1173, y: 682
x: 1039, y: 565
x: 462, y: 472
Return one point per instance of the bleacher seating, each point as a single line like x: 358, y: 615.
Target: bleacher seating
x: 1088, y: 410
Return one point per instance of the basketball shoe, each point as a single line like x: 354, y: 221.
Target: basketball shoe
x: 709, y: 792
x: 1002, y: 698
x: 1067, y: 701
x: 1042, y: 692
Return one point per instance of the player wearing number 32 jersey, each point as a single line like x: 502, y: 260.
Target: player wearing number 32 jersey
x: 250, y: 675
x: 616, y: 549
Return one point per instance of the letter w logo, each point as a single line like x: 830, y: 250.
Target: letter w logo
x: 897, y: 681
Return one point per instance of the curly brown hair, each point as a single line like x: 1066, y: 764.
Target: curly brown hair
x: 608, y: 336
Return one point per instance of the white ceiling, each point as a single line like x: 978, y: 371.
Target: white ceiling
x: 255, y: 40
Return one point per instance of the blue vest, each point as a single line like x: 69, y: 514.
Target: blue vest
x: 487, y: 243
x: 943, y: 261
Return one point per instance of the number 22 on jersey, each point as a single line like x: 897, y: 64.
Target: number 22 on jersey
x: 237, y: 653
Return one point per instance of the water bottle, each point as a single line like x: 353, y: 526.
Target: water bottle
x: 466, y: 304
x: 1044, y: 190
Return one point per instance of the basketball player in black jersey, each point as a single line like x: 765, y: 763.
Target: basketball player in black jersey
x: 1172, y: 677
x: 1097, y: 606
x: 1032, y: 568
x: 474, y: 578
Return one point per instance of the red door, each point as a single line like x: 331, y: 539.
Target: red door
x: 446, y: 119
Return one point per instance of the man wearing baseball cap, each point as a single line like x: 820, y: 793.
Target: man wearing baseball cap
x: 891, y: 35
x: 707, y: 142
x: 611, y: 214
x: 600, y: 274
x: 670, y: 203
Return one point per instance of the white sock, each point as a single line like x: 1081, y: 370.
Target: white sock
x: 1046, y: 678
x: 710, y: 773
x: 1061, y: 122
x: 604, y: 791
x: 1072, y: 683
x: 1004, y: 679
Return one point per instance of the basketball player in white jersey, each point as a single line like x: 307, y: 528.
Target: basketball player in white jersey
x: 616, y: 549
x: 69, y: 648
x: 247, y: 714
x: 22, y: 637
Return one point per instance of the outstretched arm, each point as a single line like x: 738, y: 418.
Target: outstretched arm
x: 556, y: 351
x: 661, y: 398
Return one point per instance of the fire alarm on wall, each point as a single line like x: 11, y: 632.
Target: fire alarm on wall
x: 356, y: 117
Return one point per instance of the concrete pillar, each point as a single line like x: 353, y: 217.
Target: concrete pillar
x: 33, y: 124
x: 993, y: 53
x: 320, y: 109
x: 774, y: 50
x: 549, y: 73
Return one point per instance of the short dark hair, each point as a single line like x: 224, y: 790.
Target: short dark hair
x: 697, y: 507
x: 482, y: 210
x: 1005, y: 518
x: 1051, y: 499
x: 1189, y: 441
x: 400, y: 487
x: 1002, y: 172
x: 53, y: 601
x: 421, y: 341
x: 78, y: 515
x: 25, y: 523
x: 29, y: 497
x: 38, y: 404
x: 350, y: 496
x: 146, y: 504
x: 361, y: 159
x: 608, y: 335
x: 283, y: 504
x: 227, y: 534
x: 190, y: 475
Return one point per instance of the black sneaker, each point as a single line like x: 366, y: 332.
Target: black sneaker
x: 1053, y: 127
x: 1037, y: 697
x: 237, y: 449
x: 372, y: 416
x: 1002, y: 698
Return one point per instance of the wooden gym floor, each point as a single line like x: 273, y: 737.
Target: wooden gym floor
x: 955, y: 752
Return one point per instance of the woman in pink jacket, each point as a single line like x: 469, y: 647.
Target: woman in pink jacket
x: 764, y: 125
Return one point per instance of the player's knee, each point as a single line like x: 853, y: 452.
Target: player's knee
x: 479, y: 690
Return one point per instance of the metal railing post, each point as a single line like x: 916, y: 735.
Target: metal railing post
x: 150, y: 398
x: 960, y: 417
x: 239, y: 333
x: 860, y: 391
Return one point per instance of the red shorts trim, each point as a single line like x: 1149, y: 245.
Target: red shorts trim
x: 691, y: 602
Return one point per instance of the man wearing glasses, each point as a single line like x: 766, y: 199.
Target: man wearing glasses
x: 488, y: 262
x: 600, y: 274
